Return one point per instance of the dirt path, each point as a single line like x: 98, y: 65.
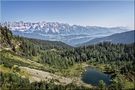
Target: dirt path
x: 38, y: 75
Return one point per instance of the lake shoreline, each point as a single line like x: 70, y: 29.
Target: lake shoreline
x: 86, y: 66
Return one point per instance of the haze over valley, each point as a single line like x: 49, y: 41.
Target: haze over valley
x: 54, y: 31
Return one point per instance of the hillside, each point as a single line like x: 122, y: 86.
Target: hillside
x: 50, y: 44
x: 124, y: 38
x: 32, y: 64
x: 8, y: 40
x: 22, y: 59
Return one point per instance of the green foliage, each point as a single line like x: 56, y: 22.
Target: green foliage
x: 47, y: 45
x: 28, y: 49
x: 102, y: 85
x: 8, y: 61
x: 117, y: 84
x: 5, y: 37
x: 16, y: 68
x: 13, y: 81
x: 60, y: 57
x: 51, y: 86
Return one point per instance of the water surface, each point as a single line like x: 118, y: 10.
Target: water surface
x: 93, y: 76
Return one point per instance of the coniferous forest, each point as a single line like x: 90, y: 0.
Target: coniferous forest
x: 20, y: 56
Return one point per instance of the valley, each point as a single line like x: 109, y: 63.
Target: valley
x: 67, y: 45
x: 55, y: 31
x: 41, y: 64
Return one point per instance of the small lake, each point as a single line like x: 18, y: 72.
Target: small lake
x: 93, y: 76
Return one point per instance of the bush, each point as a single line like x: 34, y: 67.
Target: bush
x: 15, y: 68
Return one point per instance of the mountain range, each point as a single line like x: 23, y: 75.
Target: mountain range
x: 55, y: 31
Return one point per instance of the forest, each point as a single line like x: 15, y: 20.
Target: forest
x: 64, y: 60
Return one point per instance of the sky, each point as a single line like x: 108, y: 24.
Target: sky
x: 85, y: 13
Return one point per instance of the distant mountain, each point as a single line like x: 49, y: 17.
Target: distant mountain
x: 54, y: 31
x: 125, y: 38
x: 8, y: 40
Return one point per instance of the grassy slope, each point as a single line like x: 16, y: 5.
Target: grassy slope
x: 26, y: 67
x: 73, y: 72
x: 9, y: 58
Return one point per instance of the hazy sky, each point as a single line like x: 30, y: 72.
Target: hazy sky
x: 97, y: 13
